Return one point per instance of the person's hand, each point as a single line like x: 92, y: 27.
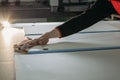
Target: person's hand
x: 43, y: 40
x: 28, y: 43
x: 22, y: 46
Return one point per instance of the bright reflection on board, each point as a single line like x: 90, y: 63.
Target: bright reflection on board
x: 9, y: 36
x: 5, y: 24
x: 12, y: 35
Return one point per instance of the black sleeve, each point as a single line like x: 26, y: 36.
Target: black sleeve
x: 100, y: 10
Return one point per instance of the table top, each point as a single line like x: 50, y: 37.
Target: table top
x: 81, y: 65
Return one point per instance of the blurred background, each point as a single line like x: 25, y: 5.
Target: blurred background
x: 42, y: 10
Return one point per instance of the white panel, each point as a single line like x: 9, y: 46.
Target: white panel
x: 35, y: 28
x: 102, y: 65
x: 88, y: 65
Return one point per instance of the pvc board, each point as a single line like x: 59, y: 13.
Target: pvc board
x: 102, y: 65
x: 87, y: 65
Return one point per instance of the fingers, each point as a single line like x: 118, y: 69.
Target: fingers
x: 28, y: 43
x: 21, y: 49
x: 23, y: 46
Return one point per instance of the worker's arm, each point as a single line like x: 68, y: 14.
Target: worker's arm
x: 43, y: 40
x: 55, y: 33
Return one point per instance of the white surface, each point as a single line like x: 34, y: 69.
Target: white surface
x: 103, y: 65
x: 92, y: 40
x: 88, y: 65
x: 43, y: 27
